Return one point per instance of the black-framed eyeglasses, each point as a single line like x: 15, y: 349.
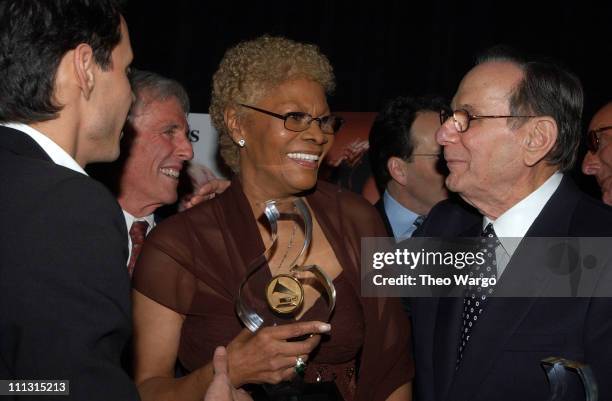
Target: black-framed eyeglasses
x: 462, y: 118
x: 593, y: 138
x: 298, y: 121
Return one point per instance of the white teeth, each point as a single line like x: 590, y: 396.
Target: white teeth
x: 303, y: 156
x: 170, y: 172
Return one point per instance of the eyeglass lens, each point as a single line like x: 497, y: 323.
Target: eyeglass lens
x: 461, y: 119
x: 592, y: 141
x: 301, y: 122
x: 594, y: 138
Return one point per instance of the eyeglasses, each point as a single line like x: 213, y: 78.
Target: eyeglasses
x: 593, y: 138
x: 462, y: 118
x: 298, y: 121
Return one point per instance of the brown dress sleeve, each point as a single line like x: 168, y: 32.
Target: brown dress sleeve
x: 386, y: 358
x: 162, y: 272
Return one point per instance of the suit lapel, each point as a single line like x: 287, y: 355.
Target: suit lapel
x: 446, y: 337
x: 498, y: 322
x: 446, y: 331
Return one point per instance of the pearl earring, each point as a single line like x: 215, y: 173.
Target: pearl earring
x: 241, y: 143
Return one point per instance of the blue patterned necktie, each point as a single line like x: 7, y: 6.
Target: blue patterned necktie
x: 476, y: 297
x: 412, y: 228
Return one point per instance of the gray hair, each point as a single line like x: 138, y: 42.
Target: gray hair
x: 149, y: 86
x: 547, y: 89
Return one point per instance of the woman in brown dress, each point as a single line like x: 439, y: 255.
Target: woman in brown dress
x: 269, y: 107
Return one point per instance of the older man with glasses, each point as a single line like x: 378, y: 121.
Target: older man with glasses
x: 598, y: 160
x: 513, y: 132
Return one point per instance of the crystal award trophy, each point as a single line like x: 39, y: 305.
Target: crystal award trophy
x: 272, y: 295
x: 557, y: 373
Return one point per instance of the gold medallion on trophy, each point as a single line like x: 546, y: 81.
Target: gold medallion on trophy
x: 284, y: 294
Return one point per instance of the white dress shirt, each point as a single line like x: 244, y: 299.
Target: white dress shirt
x: 514, y: 223
x: 55, y: 152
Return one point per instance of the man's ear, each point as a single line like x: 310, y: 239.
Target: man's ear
x: 233, y: 123
x: 539, y: 140
x: 84, y: 66
x: 397, y: 170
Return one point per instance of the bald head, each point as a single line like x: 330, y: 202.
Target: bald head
x: 598, y: 162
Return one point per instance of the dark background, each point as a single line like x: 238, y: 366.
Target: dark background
x: 379, y: 49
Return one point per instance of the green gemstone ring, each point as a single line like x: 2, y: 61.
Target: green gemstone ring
x: 300, y: 366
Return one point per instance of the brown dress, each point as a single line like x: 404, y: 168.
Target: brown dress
x: 194, y: 262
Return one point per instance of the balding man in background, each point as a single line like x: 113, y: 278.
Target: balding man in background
x: 598, y: 160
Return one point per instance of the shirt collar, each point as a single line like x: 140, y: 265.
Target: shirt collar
x: 55, y: 152
x: 515, y: 222
x: 400, y: 217
x: 129, y: 219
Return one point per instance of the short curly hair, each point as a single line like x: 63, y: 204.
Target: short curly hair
x: 249, y: 70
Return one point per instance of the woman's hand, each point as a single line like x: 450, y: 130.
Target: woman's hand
x: 267, y: 356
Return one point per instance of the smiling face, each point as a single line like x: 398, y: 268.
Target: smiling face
x: 599, y: 164
x: 484, y: 162
x: 276, y: 162
x: 159, y: 148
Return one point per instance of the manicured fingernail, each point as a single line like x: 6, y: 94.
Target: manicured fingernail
x: 324, y: 327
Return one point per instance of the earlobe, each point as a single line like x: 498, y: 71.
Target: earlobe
x: 84, y: 65
x: 540, y: 140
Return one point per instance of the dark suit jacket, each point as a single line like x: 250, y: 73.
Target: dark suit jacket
x: 380, y: 206
x: 64, y: 288
x: 502, y: 359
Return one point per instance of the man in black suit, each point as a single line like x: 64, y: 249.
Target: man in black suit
x: 64, y: 287
x: 513, y: 133
x: 405, y: 160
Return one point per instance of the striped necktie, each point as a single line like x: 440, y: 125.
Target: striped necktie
x: 138, y: 231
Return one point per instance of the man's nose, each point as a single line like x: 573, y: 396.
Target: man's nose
x: 184, y: 149
x: 447, y: 133
x: 591, y: 163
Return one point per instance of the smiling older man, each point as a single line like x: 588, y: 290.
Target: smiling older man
x: 513, y: 133
x: 154, y: 151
